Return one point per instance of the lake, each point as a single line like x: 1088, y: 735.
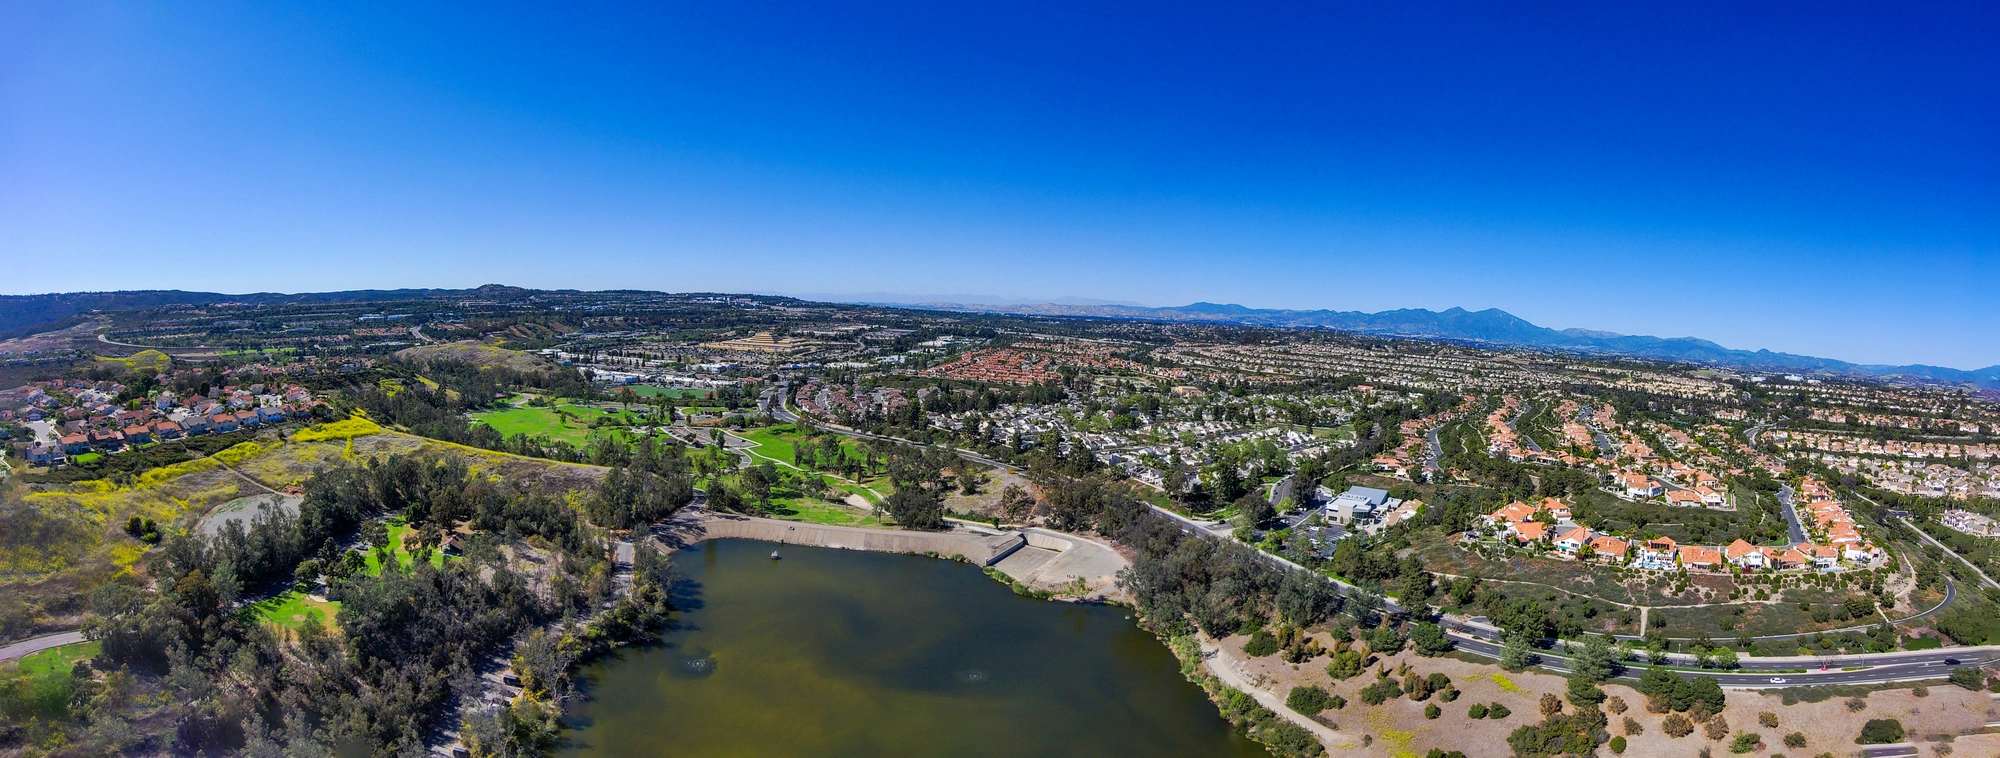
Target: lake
x: 847, y: 653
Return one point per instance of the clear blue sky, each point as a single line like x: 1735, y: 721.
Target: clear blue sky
x: 1820, y: 178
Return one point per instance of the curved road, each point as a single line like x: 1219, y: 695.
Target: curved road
x: 35, y: 645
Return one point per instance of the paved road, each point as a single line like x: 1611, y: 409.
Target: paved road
x: 35, y: 645
x: 1515, y: 424
x: 1947, y: 551
x: 1436, y: 451
x: 1798, y: 531
x: 1888, y: 667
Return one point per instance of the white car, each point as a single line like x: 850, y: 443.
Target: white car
x: 1777, y: 680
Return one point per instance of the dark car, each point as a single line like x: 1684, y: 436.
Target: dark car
x: 1951, y: 661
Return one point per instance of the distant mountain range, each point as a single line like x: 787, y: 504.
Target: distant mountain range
x: 1492, y: 327
x: 21, y: 315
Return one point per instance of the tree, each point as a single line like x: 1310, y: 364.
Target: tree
x: 1430, y: 640
x: 1346, y: 664
x: 1583, y: 693
x: 1015, y: 503
x: 1308, y: 700
x: 1306, y: 598
x: 915, y: 508
x: 1880, y: 732
x: 1260, y: 644
x: 1723, y: 658
x: 1515, y: 654
x: 1595, y: 661
x: 1385, y: 641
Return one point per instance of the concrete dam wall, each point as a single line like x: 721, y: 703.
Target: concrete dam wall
x: 982, y: 549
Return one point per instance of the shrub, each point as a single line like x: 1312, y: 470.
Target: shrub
x: 1920, y: 691
x: 1633, y: 728
x: 1308, y: 700
x: 1716, y: 728
x: 1477, y: 711
x: 1767, y: 719
x: 1967, y: 677
x: 1615, y: 705
x: 1418, y: 687
x: 1745, y: 742
x: 1551, y: 705
x: 1880, y: 732
x: 1448, y: 694
x: 1677, y: 726
x: 1432, y: 711
x: 1261, y: 644
x: 1498, y: 711
x: 1617, y: 745
x: 1856, y: 704
x: 1382, y: 690
x: 1337, y: 702
x: 1795, y: 739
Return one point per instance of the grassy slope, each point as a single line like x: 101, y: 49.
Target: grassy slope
x: 62, y: 540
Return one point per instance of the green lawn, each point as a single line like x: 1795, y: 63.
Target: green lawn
x: 88, y: 458
x: 59, y: 659
x: 820, y: 512
x: 546, y: 422
x: 292, y: 609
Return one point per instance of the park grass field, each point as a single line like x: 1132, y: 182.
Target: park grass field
x: 549, y: 422
x: 293, y: 609
x: 813, y: 511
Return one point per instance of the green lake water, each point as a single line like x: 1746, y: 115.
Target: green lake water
x: 847, y: 653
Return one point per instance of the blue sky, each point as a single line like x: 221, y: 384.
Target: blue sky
x: 1820, y: 178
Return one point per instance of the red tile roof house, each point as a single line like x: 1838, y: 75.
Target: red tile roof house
x: 248, y: 418
x: 1573, y: 540
x: 1744, y: 555
x: 222, y: 423
x: 75, y: 444
x: 1529, y: 531
x: 1698, y: 557
x: 138, y: 434
x: 1610, y: 548
x: 167, y: 430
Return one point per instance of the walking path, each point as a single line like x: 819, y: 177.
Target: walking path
x: 1225, y: 668
x: 28, y: 647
